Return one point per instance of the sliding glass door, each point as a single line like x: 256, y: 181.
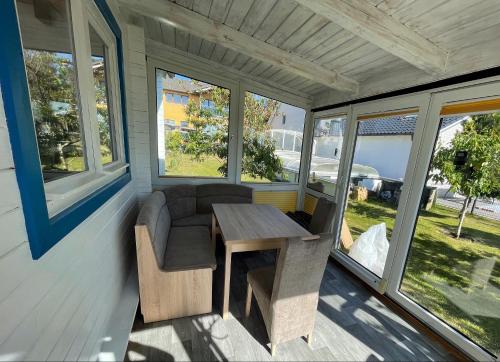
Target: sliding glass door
x: 447, y: 269
x: 380, y: 161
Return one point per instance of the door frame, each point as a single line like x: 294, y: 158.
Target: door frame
x: 420, y: 101
x: 396, y: 270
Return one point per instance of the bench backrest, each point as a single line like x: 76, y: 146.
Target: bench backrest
x: 155, y: 216
x: 188, y: 200
x: 209, y: 194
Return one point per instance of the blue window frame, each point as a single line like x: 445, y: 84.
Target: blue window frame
x: 44, y: 232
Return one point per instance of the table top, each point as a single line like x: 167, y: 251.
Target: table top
x: 245, y: 222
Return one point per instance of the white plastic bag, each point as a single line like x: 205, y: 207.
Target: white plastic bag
x: 370, y: 249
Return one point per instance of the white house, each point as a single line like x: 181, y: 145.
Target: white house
x: 385, y: 143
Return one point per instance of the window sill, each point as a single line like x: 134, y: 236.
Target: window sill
x: 62, y: 195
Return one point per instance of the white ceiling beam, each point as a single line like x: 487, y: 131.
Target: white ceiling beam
x: 370, y: 23
x: 194, y: 23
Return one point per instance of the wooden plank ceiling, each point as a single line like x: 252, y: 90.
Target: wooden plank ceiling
x: 462, y: 32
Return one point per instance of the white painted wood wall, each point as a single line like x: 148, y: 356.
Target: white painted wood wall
x: 58, y: 307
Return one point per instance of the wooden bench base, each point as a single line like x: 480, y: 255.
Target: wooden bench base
x: 177, y: 294
x: 169, y: 294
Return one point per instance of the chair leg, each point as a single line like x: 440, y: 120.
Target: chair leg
x: 249, y: 301
x: 310, y: 339
x: 273, y: 349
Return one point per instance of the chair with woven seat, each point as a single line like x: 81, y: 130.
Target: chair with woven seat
x: 287, y: 295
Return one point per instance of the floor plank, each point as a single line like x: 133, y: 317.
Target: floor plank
x: 351, y: 325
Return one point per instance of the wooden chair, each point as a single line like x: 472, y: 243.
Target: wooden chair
x: 288, y: 294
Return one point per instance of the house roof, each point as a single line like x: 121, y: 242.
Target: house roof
x: 399, y: 125
x: 184, y: 86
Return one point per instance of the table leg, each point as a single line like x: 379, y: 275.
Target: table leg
x: 214, y: 231
x: 227, y: 283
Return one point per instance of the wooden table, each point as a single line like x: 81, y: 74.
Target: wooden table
x: 250, y: 227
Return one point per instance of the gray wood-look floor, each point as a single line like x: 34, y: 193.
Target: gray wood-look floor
x: 351, y: 324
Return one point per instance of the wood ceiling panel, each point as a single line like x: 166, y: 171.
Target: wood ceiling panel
x: 188, y: 4
x: 250, y: 65
x: 194, y: 44
x: 181, y: 39
x: 219, y: 10
x: 152, y: 28
x: 297, y: 18
x: 168, y: 34
x: 256, y: 15
x: 262, y: 67
x: 218, y: 53
x: 237, y: 13
x: 206, y: 49
x: 229, y: 57
x: 278, y: 14
x: 338, y: 39
x: 202, y: 6
x: 316, y: 39
x: 305, y: 32
x: 341, y: 51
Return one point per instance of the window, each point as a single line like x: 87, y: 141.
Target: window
x: 170, y: 97
x: 453, y: 268
x: 52, y: 79
x: 271, y: 149
x: 100, y: 71
x: 61, y: 72
x: 198, y: 145
x: 325, y: 155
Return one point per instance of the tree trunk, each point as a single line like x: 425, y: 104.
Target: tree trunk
x: 473, y: 206
x: 462, y: 216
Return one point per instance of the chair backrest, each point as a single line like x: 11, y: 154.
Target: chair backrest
x: 155, y: 216
x: 299, y: 271
x: 322, y: 217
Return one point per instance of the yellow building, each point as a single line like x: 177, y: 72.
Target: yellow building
x: 177, y: 93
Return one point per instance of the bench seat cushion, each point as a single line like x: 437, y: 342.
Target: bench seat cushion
x: 195, y: 220
x: 189, y: 248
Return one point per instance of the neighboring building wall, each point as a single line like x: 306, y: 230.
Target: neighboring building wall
x: 387, y: 154
x: 326, y: 146
x: 447, y: 134
x: 59, y: 307
x: 176, y: 111
x: 294, y: 118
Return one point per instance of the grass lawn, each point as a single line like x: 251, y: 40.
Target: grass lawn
x: 436, y: 258
x: 184, y: 165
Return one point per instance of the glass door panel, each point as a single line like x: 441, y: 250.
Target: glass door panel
x: 453, y: 265
x: 326, y: 152
x: 381, y: 154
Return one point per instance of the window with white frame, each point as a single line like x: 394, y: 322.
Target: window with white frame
x: 272, y: 140
x: 194, y: 142
x: 71, y: 63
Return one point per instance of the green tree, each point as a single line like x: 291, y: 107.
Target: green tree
x: 480, y: 175
x: 52, y: 91
x: 210, y: 133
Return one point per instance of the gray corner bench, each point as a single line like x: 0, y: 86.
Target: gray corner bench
x: 174, y: 253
